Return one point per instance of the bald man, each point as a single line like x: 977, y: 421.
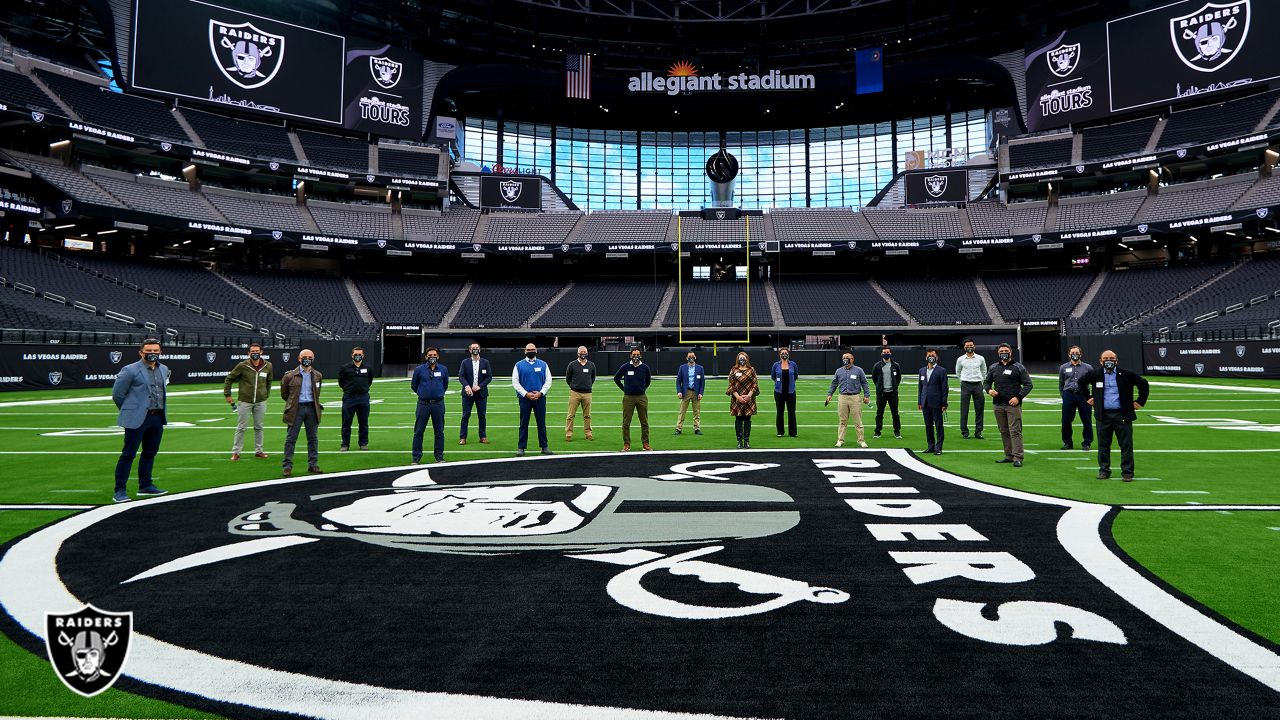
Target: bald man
x: 300, y: 389
x: 531, y: 379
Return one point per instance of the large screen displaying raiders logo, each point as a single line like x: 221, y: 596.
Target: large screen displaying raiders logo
x: 499, y: 191
x: 930, y: 186
x: 799, y: 584
x: 1067, y: 78
x: 205, y: 52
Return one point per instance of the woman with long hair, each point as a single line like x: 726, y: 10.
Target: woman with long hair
x: 743, y: 389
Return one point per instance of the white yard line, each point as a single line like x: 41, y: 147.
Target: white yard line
x: 1269, y: 508
x: 1180, y: 492
x: 46, y: 507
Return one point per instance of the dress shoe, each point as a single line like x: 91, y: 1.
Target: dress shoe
x: 862, y: 443
x: 697, y: 432
x: 462, y: 441
x: 590, y: 438
x: 978, y: 436
x: 315, y: 469
x: 626, y: 447
x: 416, y: 462
x: 1017, y: 463
x: 568, y: 438
x: 343, y: 448
x: 746, y: 444
x: 1127, y: 478
x: 1104, y: 476
x: 1085, y: 447
x: 1066, y: 446
x: 937, y: 452
x: 1005, y: 460
x: 261, y: 454
x: 235, y: 457
x: 678, y: 432
x: 964, y: 436
x: 287, y: 472
x: 646, y: 446
x: 484, y: 441
x: 876, y: 436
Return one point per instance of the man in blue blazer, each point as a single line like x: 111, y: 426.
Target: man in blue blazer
x: 475, y: 375
x: 139, y: 393
x: 691, y: 381
x: 931, y: 397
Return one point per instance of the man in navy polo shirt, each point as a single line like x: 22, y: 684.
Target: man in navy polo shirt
x: 531, y: 379
x: 430, y: 380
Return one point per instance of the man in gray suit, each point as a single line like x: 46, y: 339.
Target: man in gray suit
x: 139, y: 393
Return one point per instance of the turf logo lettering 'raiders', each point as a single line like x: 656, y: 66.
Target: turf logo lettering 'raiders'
x: 693, y: 584
x: 1212, y: 36
x: 247, y: 56
x: 88, y: 647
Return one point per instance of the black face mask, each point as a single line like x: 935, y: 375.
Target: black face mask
x: 357, y: 358
x: 475, y: 351
x: 152, y: 357
x: 742, y: 361
x: 692, y: 360
x: 848, y: 361
x: 255, y: 356
x: 886, y: 357
x: 1005, y: 356
x: 306, y: 362
x: 531, y: 355
x: 1075, y: 356
x: 635, y: 359
x: 968, y: 350
x: 433, y: 360
x: 1109, y: 364
x: 931, y: 360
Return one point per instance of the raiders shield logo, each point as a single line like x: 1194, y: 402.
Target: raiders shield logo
x: 1240, y: 351
x: 385, y: 71
x: 1035, y: 238
x: 719, y: 214
x: 247, y: 56
x: 211, y: 356
x: 940, y: 243
x: 116, y: 356
x: 66, y: 206
x: 37, y: 116
x: 1162, y: 351
x: 1063, y: 59
x: 1212, y: 36
x: 382, y: 243
x: 510, y: 190
x: 368, y: 178
x: 587, y: 247
x: 273, y: 165
x: 1142, y: 228
x: 276, y: 234
x: 1262, y: 212
x: 674, y: 247
x: 55, y: 378
x: 564, y: 247
x: 1079, y: 169
x: 88, y: 648
x: 1181, y: 153
x: 935, y: 185
x: 284, y: 357
x: 165, y: 146
x: 1199, y: 368
x: 475, y: 247
x: 853, y: 245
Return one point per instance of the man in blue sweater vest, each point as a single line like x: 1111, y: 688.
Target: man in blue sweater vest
x: 633, y: 379
x: 430, y: 380
x: 531, y: 379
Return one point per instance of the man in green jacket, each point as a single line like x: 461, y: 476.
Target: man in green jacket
x: 253, y: 376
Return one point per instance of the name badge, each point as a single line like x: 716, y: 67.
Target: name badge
x: 1100, y: 385
x: 922, y: 377
x: 739, y: 374
x: 484, y: 372
x: 435, y: 374
x: 364, y: 371
x: 631, y: 372
x: 262, y: 374
x: 1008, y: 372
x: 699, y: 377
x: 537, y: 369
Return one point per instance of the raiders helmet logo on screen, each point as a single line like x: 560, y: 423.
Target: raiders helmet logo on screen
x: 386, y: 72
x: 1063, y: 59
x: 936, y: 185
x: 510, y: 190
x: 1209, y: 38
x: 247, y: 56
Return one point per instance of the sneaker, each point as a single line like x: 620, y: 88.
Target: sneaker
x: 779, y: 434
x: 151, y: 491
x: 978, y: 436
x: 937, y: 452
x: 876, y: 436
x: 547, y: 451
x: 520, y: 452
x: 261, y: 454
x: 235, y: 457
x: 343, y: 448
x: 678, y: 432
x: 120, y: 497
x: 362, y: 447
x: 697, y: 432
x: 861, y: 443
x: 839, y: 443
x: 898, y: 435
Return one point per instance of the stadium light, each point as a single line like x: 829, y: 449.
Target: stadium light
x: 107, y: 232
x: 64, y: 227
x: 61, y: 144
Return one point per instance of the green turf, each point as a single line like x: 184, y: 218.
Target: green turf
x: 1222, y: 561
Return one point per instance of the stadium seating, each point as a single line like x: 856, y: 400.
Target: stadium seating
x: 153, y: 195
x: 1265, y: 193
x: 833, y: 301
x: 530, y: 227
x: 18, y: 89
x: 333, y: 151
x: 1126, y: 294
x: 1037, y: 295
x: 1086, y: 213
x: 98, y: 105
x: 321, y: 299
x: 695, y: 229
x: 408, y: 300
x: 269, y: 212
x: 1216, y: 122
x: 1255, y: 279
x: 625, y: 227
x: 992, y: 218
x: 241, y: 137
x: 68, y: 180
x: 939, y: 301
x: 456, y: 225
x: 1041, y: 153
x: 1198, y: 198
x: 902, y: 224
x: 718, y: 304
x: 369, y: 221
x: 598, y: 303
x: 407, y: 162
x: 819, y: 224
x: 503, y: 304
x: 1124, y: 138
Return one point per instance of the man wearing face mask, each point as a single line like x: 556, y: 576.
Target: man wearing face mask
x: 971, y: 369
x: 580, y: 376
x: 355, y: 381
x: 887, y: 375
x: 1109, y: 391
x: 785, y: 373
x: 300, y: 390
x: 851, y: 382
x: 475, y: 375
x: 531, y: 379
x: 1007, y: 383
x: 633, y: 380
x: 691, y: 380
x: 252, y: 377
x: 140, y: 395
x: 430, y: 381
x: 931, y: 398
x: 1069, y: 377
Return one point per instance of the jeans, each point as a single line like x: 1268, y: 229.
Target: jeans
x: 147, y: 436
x: 1071, y: 404
x: 481, y: 402
x: 433, y: 411
x: 358, y: 408
x: 892, y: 400
x: 539, y: 409
x: 305, y: 417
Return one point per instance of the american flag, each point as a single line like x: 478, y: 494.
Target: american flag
x: 577, y: 76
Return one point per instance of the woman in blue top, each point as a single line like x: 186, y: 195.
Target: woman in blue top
x: 785, y: 374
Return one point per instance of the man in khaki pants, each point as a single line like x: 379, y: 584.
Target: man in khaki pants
x: 580, y: 376
x: 851, y: 383
x: 691, y: 381
x: 252, y: 378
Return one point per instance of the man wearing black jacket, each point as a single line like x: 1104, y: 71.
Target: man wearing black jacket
x: 1109, y: 390
x: 1008, y: 383
x: 887, y: 375
x: 633, y: 379
x: 355, y: 379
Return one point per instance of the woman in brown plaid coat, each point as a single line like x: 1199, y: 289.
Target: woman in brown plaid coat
x: 743, y: 389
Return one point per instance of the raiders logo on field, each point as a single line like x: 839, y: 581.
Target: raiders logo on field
x: 1212, y: 36
x: 247, y: 56
x: 88, y: 648
x: 754, y: 583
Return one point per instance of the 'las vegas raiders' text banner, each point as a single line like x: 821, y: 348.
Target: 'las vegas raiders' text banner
x: 1067, y: 78
x: 383, y: 90
x: 210, y: 53
x: 1225, y: 359
x: 937, y: 186
x: 1191, y: 47
x: 505, y: 191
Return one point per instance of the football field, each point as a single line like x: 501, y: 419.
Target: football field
x: 1203, y: 514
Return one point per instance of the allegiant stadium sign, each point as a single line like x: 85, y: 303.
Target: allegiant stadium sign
x: 683, y: 77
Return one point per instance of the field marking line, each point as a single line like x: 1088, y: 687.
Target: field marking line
x: 100, y: 398
x: 47, y: 507
x: 1266, y: 508
x: 1180, y: 492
